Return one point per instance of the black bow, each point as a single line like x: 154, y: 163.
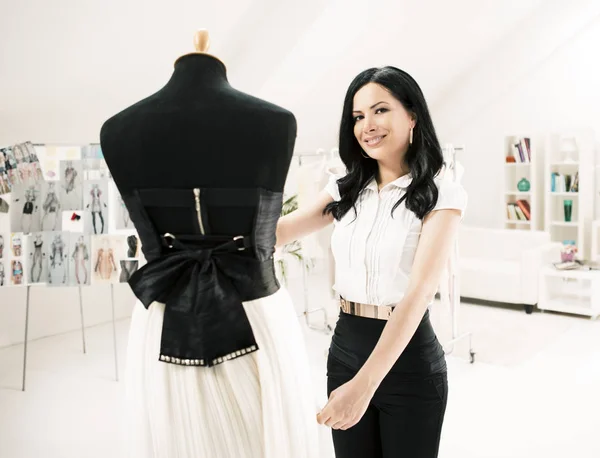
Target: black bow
x: 204, y: 313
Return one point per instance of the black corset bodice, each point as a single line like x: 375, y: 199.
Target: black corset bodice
x: 202, y: 277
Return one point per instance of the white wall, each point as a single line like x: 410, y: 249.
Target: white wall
x: 488, y: 69
x: 553, y: 87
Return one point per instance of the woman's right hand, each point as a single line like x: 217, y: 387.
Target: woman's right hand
x: 304, y: 221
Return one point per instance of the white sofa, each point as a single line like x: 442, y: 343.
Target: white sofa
x: 502, y: 265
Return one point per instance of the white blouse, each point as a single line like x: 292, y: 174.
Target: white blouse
x: 374, y: 251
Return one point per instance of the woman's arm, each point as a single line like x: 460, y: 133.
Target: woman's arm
x: 437, y: 238
x: 304, y: 221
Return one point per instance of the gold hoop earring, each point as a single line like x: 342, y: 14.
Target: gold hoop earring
x: 410, y: 136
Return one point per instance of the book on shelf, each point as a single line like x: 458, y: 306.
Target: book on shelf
x: 575, y: 184
x: 524, y: 207
x: 564, y: 183
x: 520, y: 149
x: 518, y: 211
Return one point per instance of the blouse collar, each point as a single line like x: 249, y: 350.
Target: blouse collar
x: 401, y: 182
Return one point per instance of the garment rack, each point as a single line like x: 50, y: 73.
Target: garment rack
x: 324, y: 326
x: 454, y: 272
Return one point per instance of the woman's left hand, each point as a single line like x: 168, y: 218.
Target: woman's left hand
x: 347, y: 405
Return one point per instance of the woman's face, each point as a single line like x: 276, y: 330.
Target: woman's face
x: 381, y: 123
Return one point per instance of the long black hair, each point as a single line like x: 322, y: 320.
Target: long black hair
x: 424, y: 157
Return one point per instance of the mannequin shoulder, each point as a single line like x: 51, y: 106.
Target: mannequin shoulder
x: 264, y: 109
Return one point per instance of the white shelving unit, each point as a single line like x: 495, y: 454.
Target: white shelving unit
x: 530, y: 169
x: 570, y: 291
x: 595, y: 254
x: 570, y: 155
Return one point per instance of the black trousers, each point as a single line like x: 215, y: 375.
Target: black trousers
x: 404, y: 419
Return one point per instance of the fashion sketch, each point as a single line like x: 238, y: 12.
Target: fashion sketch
x: 1, y: 246
x: 2, y: 274
x: 79, y: 259
x: 25, y: 211
x: 94, y: 166
x: 31, y: 152
x: 19, y: 155
x: 132, y: 246
x: 16, y: 244
x: 128, y: 267
x: 16, y: 272
x: 2, y: 162
x: 96, y: 197
x: 9, y: 157
x: 105, y: 251
x: 4, y: 188
x: 58, y: 258
x: 71, y: 185
x: 122, y: 220
x: 92, y: 152
x: 51, y: 208
x: 4, y: 206
x: 37, y: 259
x: 4, y: 183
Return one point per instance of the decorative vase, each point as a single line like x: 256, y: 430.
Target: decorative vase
x: 568, y: 205
x: 523, y: 185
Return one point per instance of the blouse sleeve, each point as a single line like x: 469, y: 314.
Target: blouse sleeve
x: 451, y: 195
x: 332, y: 186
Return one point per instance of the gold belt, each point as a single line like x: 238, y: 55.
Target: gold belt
x: 378, y: 312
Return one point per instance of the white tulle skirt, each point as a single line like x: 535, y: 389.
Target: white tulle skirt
x: 257, y: 406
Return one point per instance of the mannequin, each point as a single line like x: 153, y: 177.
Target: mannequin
x: 183, y: 126
x: 195, y: 162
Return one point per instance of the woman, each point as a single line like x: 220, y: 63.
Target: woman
x: 28, y: 209
x: 80, y: 257
x: 37, y: 259
x: 395, y: 225
x: 105, y: 262
x: 51, y: 208
x: 58, y: 268
x: 96, y: 209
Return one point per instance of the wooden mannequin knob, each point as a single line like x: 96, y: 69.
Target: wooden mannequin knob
x: 201, y: 40
x: 201, y: 43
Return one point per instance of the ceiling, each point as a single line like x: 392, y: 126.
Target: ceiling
x: 62, y: 59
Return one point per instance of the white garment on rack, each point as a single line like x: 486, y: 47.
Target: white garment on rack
x: 448, y: 284
x: 313, y: 177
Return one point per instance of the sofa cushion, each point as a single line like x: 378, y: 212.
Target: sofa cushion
x: 491, y: 266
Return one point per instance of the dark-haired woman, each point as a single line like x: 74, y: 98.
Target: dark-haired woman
x: 395, y: 224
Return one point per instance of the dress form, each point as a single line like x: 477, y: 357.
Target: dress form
x: 195, y: 134
x: 198, y: 131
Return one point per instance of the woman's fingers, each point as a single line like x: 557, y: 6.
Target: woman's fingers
x: 323, y: 417
x: 339, y: 425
